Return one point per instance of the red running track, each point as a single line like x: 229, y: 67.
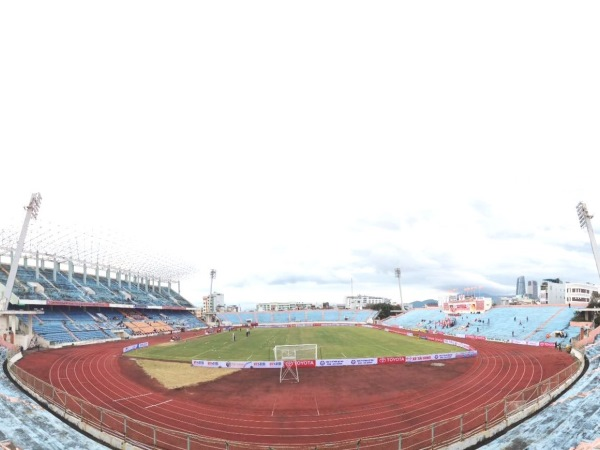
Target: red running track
x: 328, y: 405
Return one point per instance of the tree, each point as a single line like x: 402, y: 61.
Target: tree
x: 385, y: 309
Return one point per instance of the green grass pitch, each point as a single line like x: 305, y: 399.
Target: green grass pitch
x: 333, y: 343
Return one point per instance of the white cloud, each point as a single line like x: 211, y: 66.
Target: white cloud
x: 319, y: 141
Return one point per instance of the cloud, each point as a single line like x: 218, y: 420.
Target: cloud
x: 295, y: 151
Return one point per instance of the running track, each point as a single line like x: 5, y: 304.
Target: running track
x: 328, y: 405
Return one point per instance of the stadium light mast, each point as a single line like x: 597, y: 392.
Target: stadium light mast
x: 585, y: 221
x: 398, y: 272
x: 32, y: 211
x: 213, y: 274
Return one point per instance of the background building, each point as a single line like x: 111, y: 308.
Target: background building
x: 210, y: 303
x: 360, y: 301
x: 282, y: 306
x: 532, y: 290
x: 556, y: 292
x: 520, y: 291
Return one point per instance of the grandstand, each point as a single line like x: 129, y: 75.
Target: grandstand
x: 526, y: 323
x: 298, y: 316
x: 59, y: 297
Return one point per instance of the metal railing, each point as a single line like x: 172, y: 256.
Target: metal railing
x: 113, y: 427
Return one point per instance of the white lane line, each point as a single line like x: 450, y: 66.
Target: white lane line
x: 133, y: 396
x: 158, y: 404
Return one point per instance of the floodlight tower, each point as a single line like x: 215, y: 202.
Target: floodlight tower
x: 213, y: 274
x: 32, y: 211
x: 398, y: 272
x: 585, y: 221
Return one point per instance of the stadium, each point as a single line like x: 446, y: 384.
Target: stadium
x: 75, y: 306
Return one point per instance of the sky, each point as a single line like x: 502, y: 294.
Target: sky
x: 304, y: 150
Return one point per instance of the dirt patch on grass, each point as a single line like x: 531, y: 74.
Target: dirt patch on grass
x: 173, y: 375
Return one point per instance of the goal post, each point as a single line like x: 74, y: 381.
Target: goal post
x: 298, y: 351
x: 290, y: 355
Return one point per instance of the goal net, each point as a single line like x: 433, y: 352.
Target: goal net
x: 298, y: 352
x: 290, y: 355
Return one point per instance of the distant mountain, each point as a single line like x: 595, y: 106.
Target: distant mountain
x: 423, y: 303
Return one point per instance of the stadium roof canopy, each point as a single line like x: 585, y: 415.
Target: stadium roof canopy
x: 93, y: 247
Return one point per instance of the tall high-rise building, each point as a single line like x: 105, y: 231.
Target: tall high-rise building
x: 532, y: 290
x: 521, y: 286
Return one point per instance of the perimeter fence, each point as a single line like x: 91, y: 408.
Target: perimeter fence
x: 461, y: 431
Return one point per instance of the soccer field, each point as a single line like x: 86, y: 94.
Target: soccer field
x: 333, y: 342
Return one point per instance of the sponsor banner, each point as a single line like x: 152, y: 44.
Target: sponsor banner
x: 223, y: 364
x: 547, y: 344
x: 533, y: 343
x: 311, y: 363
x: 456, y: 343
x: 391, y: 360
x: 130, y: 348
x: 469, y: 354
x: 70, y: 303
x: 246, y: 364
x: 332, y: 362
x: 363, y: 362
x: 238, y: 364
x: 459, y: 344
x: 496, y: 340
x: 418, y: 358
x: 516, y: 341
x: 345, y: 362
x: 202, y: 363
x: 474, y: 336
x: 267, y: 364
x: 40, y: 302
x: 437, y: 339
